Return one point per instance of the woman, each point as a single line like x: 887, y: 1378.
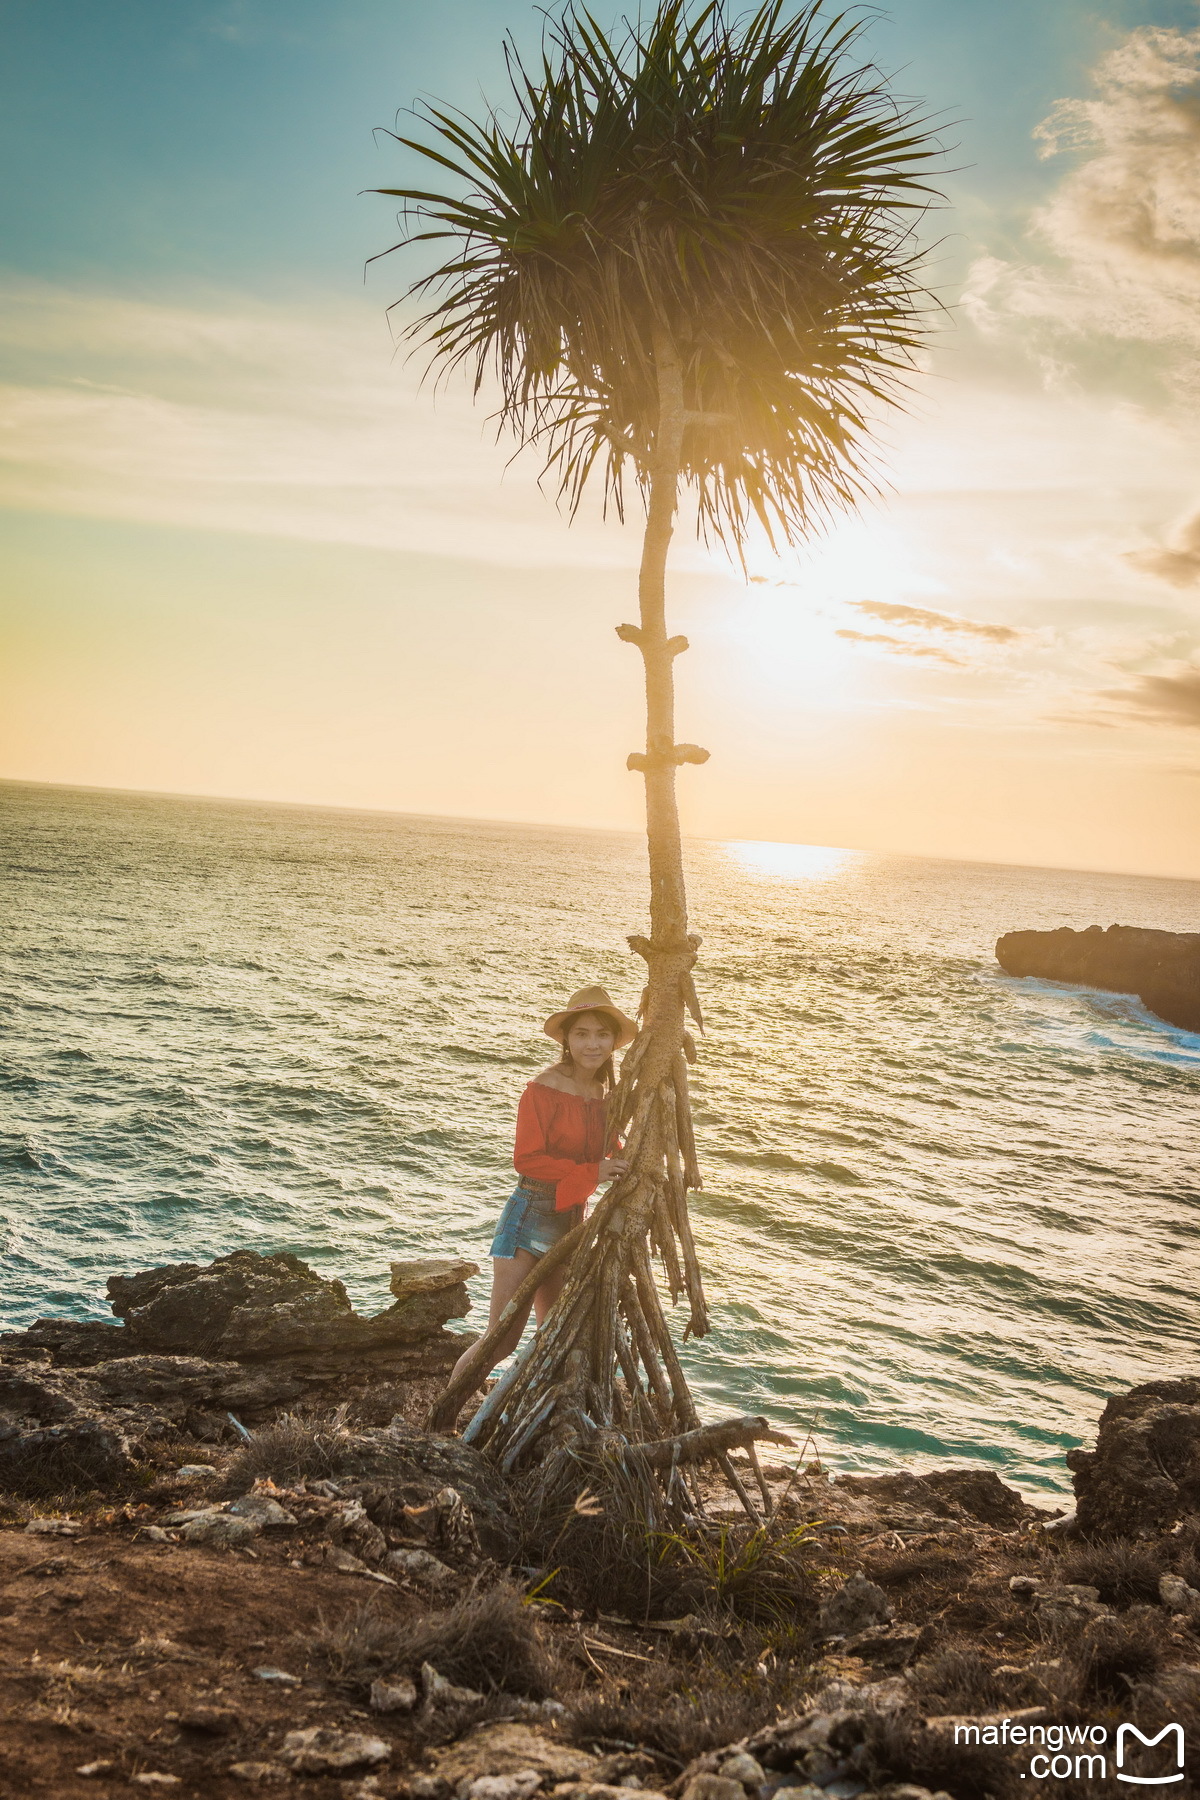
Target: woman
x: 559, y: 1153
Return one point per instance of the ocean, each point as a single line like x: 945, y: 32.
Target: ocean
x: 945, y: 1212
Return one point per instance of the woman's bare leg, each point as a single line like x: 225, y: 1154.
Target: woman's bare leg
x: 508, y: 1272
x: 548, y: 1293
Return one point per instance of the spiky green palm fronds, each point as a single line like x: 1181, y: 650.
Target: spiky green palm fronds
x: 739, y: 190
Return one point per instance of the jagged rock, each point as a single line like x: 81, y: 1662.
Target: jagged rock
x: 713, y: 1787
x: 321, y: 1750
x: 420, y: 1565
x: 617, y: 1768
x: 68, y: 1343
x: 888, y: 1646
x: 743, y: 1767
x: 405, y: 1468
x: 220, y: 1529
x: 262, y: 1509
x: 1144, y: 1473
x: 54, y: 1435
x: 95, y: 1425
x: 1161, y: 967
x: 430, y: 1275
x: 1178, y: 1687
x: 507, y: 1750
x: 248, y: 1307
x: 345, y: 1561
x: 942, y: 1494
x: 892, y: 1695
x: 1069, y: 1608
x: 856, y: 1605
x: 251, y: 1334
x: 603, y: 1790
x: 505, y: 1787
x: 440, y: 1692
x: 352, y: 1529
x: 173, y: 1384
x: 393, y: 1696
x: 1177, y: 1596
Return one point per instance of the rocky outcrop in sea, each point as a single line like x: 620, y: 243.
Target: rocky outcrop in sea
x: 1161, y: 967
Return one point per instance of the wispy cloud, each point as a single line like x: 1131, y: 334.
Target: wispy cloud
x: 1132, y: 207
x: 1124, y: 223
x: 903, y: 646
x: 1178, y: 561
x: 241, y: 418
x: 894, y: 613
x: 1171, y: 699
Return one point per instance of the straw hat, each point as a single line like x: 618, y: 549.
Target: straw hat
x: 590, y: 999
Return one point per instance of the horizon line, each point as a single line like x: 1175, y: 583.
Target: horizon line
x: 392, y: 812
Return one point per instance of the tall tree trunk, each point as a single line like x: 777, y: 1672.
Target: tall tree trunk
x: 668, y: 898
x: 603, y: 1368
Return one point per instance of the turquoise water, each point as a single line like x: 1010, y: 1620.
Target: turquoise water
x: 945, y: 1212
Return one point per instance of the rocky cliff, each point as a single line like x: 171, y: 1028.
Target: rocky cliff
x: 82, y: 1400
x: 1161, y: 967
x: 338, y: 1605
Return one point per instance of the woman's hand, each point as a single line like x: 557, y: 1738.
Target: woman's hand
x: 611, y: 1167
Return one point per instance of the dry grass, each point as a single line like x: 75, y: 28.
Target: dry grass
x: 677, y: 1714
x: 897, y: 1750
x: 1114, y: 1654
x: 959, y: 1681
x: 610, y: 1548
x: 292, y: 1449
x: 488, y: 1641
x: 1124, y: 1571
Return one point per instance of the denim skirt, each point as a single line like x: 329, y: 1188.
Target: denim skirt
x: 530, y: 1221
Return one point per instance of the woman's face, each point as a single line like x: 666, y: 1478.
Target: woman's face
x: 590, y: 1039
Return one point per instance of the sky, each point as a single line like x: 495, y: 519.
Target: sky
x: 247, y: 552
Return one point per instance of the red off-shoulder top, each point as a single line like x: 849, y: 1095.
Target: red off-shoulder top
x: 560, y: 1138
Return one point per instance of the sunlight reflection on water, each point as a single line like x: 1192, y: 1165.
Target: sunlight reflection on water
x: 790, y: 862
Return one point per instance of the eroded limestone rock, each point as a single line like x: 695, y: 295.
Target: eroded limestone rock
x: 1161, y: 967
x: 1144, y: 1472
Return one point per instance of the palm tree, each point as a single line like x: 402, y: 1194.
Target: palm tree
x: 689, y: 260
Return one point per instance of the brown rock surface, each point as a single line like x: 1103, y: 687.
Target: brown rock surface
x: 250, y: 1334
x: 1144, y: 1472
x: 506, y: 1749
x: 1161, y: 967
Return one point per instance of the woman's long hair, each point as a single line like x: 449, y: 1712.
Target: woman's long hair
x: 606, y: 1073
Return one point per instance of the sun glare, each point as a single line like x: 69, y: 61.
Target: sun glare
x: 789, y: 862
x: 794, y: 608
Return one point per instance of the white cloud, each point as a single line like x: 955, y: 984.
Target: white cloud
x: 1124, y: 222
x: 244, y: 418
x: 1178, y: 561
